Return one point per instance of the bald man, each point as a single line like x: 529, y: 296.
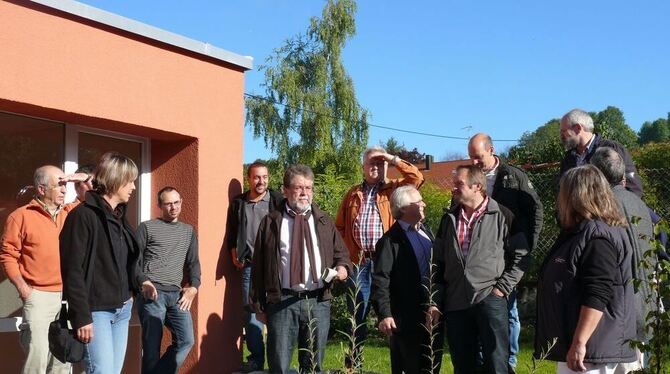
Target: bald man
x: 30, y: 258
x: 510, y: 187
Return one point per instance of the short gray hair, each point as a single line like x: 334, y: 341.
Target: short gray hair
x: 42, y: 176
x: 373, y: 149
x: 400, y: 199
x: 295, y: 170
x: 610, y: 164
x: 578, y: 116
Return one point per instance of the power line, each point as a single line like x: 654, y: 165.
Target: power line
x: 372, y: 125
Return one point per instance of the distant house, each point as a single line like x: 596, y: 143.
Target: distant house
x: 440, y: 173
x: 77, y: 82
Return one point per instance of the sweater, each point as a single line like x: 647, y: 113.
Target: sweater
x: 30, y: 246
x: 168, y: 249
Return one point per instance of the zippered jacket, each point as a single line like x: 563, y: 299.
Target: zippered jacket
x: 498, y: 257
x: 115, y: 275
x: 560, y: 296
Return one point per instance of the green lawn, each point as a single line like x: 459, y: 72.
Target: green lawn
x: 377, y: 358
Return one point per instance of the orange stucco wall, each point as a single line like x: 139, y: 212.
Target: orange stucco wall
x: 60, y: 67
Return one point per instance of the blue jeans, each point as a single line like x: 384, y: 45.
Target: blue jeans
x: 363, y: 276
x: 288, y: 321
x: 153, y: 315
x: 107, y: 350
x: 253, y: 328
x: 514, y: 328
x: 485, y: 322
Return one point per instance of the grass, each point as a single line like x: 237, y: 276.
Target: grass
x: 378, y: 360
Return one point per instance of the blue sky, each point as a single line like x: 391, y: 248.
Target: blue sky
x: 455, y: 67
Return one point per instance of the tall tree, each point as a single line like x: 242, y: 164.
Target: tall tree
x: 657, y: 131
x: 611, y: 124
x: 310, y: 113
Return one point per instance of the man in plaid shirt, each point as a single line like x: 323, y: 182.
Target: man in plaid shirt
x: 364, y: 216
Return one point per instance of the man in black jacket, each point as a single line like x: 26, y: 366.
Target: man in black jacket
x: 401, y: 286
x: 581, y: 143
x: 510, y: 187
x: 244, y: 216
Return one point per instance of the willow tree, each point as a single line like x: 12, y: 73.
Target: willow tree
x: 309, y: 112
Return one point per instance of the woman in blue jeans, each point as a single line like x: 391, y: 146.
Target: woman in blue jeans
x: 99, y: 254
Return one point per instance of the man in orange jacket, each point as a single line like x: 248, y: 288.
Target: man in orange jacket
x: 30, y: 258
x: 364, y: 216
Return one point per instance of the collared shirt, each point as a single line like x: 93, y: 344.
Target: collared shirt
x: 491, y: 177
x: 581, y: 157
x: 254, y: 212
x: 421, y: 244
x: 44, y: 206
x: 466, y: 224
x: 285, y: 256
x: 368, y: 228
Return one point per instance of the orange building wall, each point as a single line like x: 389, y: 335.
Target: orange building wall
x: 61, y: 67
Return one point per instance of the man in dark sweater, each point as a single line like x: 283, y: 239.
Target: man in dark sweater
x: 171, y: 276
x: 245, y: 213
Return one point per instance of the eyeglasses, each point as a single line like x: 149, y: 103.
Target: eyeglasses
x: 302, y: 188
x: 172, y: 204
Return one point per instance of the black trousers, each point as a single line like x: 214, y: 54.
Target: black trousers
x: 411, y: 353
x: 485, y: 322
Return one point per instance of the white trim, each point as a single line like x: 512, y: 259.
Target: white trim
x: 145, y: 182
x: 72, y: 160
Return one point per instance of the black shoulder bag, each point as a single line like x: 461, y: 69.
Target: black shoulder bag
x: 63, y: 342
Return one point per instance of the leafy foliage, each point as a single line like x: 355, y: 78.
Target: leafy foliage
x: 330, y: 188
x: 312, y: 115
x: 611, y: 124
x: 653, y: 164
x: 657, y: 131
x: 652, y: 156
x: 540, y: 146
x: 658, y: 319
x: 437, y: 201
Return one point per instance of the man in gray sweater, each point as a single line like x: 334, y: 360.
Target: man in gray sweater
x: 170, y: 279
x: 640, y: 230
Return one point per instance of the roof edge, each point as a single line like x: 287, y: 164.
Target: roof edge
x: 135, y: 27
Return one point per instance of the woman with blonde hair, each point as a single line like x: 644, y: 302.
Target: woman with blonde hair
x: 585, y: 290
x: 99, y: 257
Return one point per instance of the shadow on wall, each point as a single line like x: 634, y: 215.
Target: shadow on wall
x: 223, y: 333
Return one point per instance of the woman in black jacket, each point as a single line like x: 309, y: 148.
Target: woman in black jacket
x: 585, y: 290
x: 99, y: 257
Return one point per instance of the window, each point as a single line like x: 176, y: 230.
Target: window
x: 27, y: 143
